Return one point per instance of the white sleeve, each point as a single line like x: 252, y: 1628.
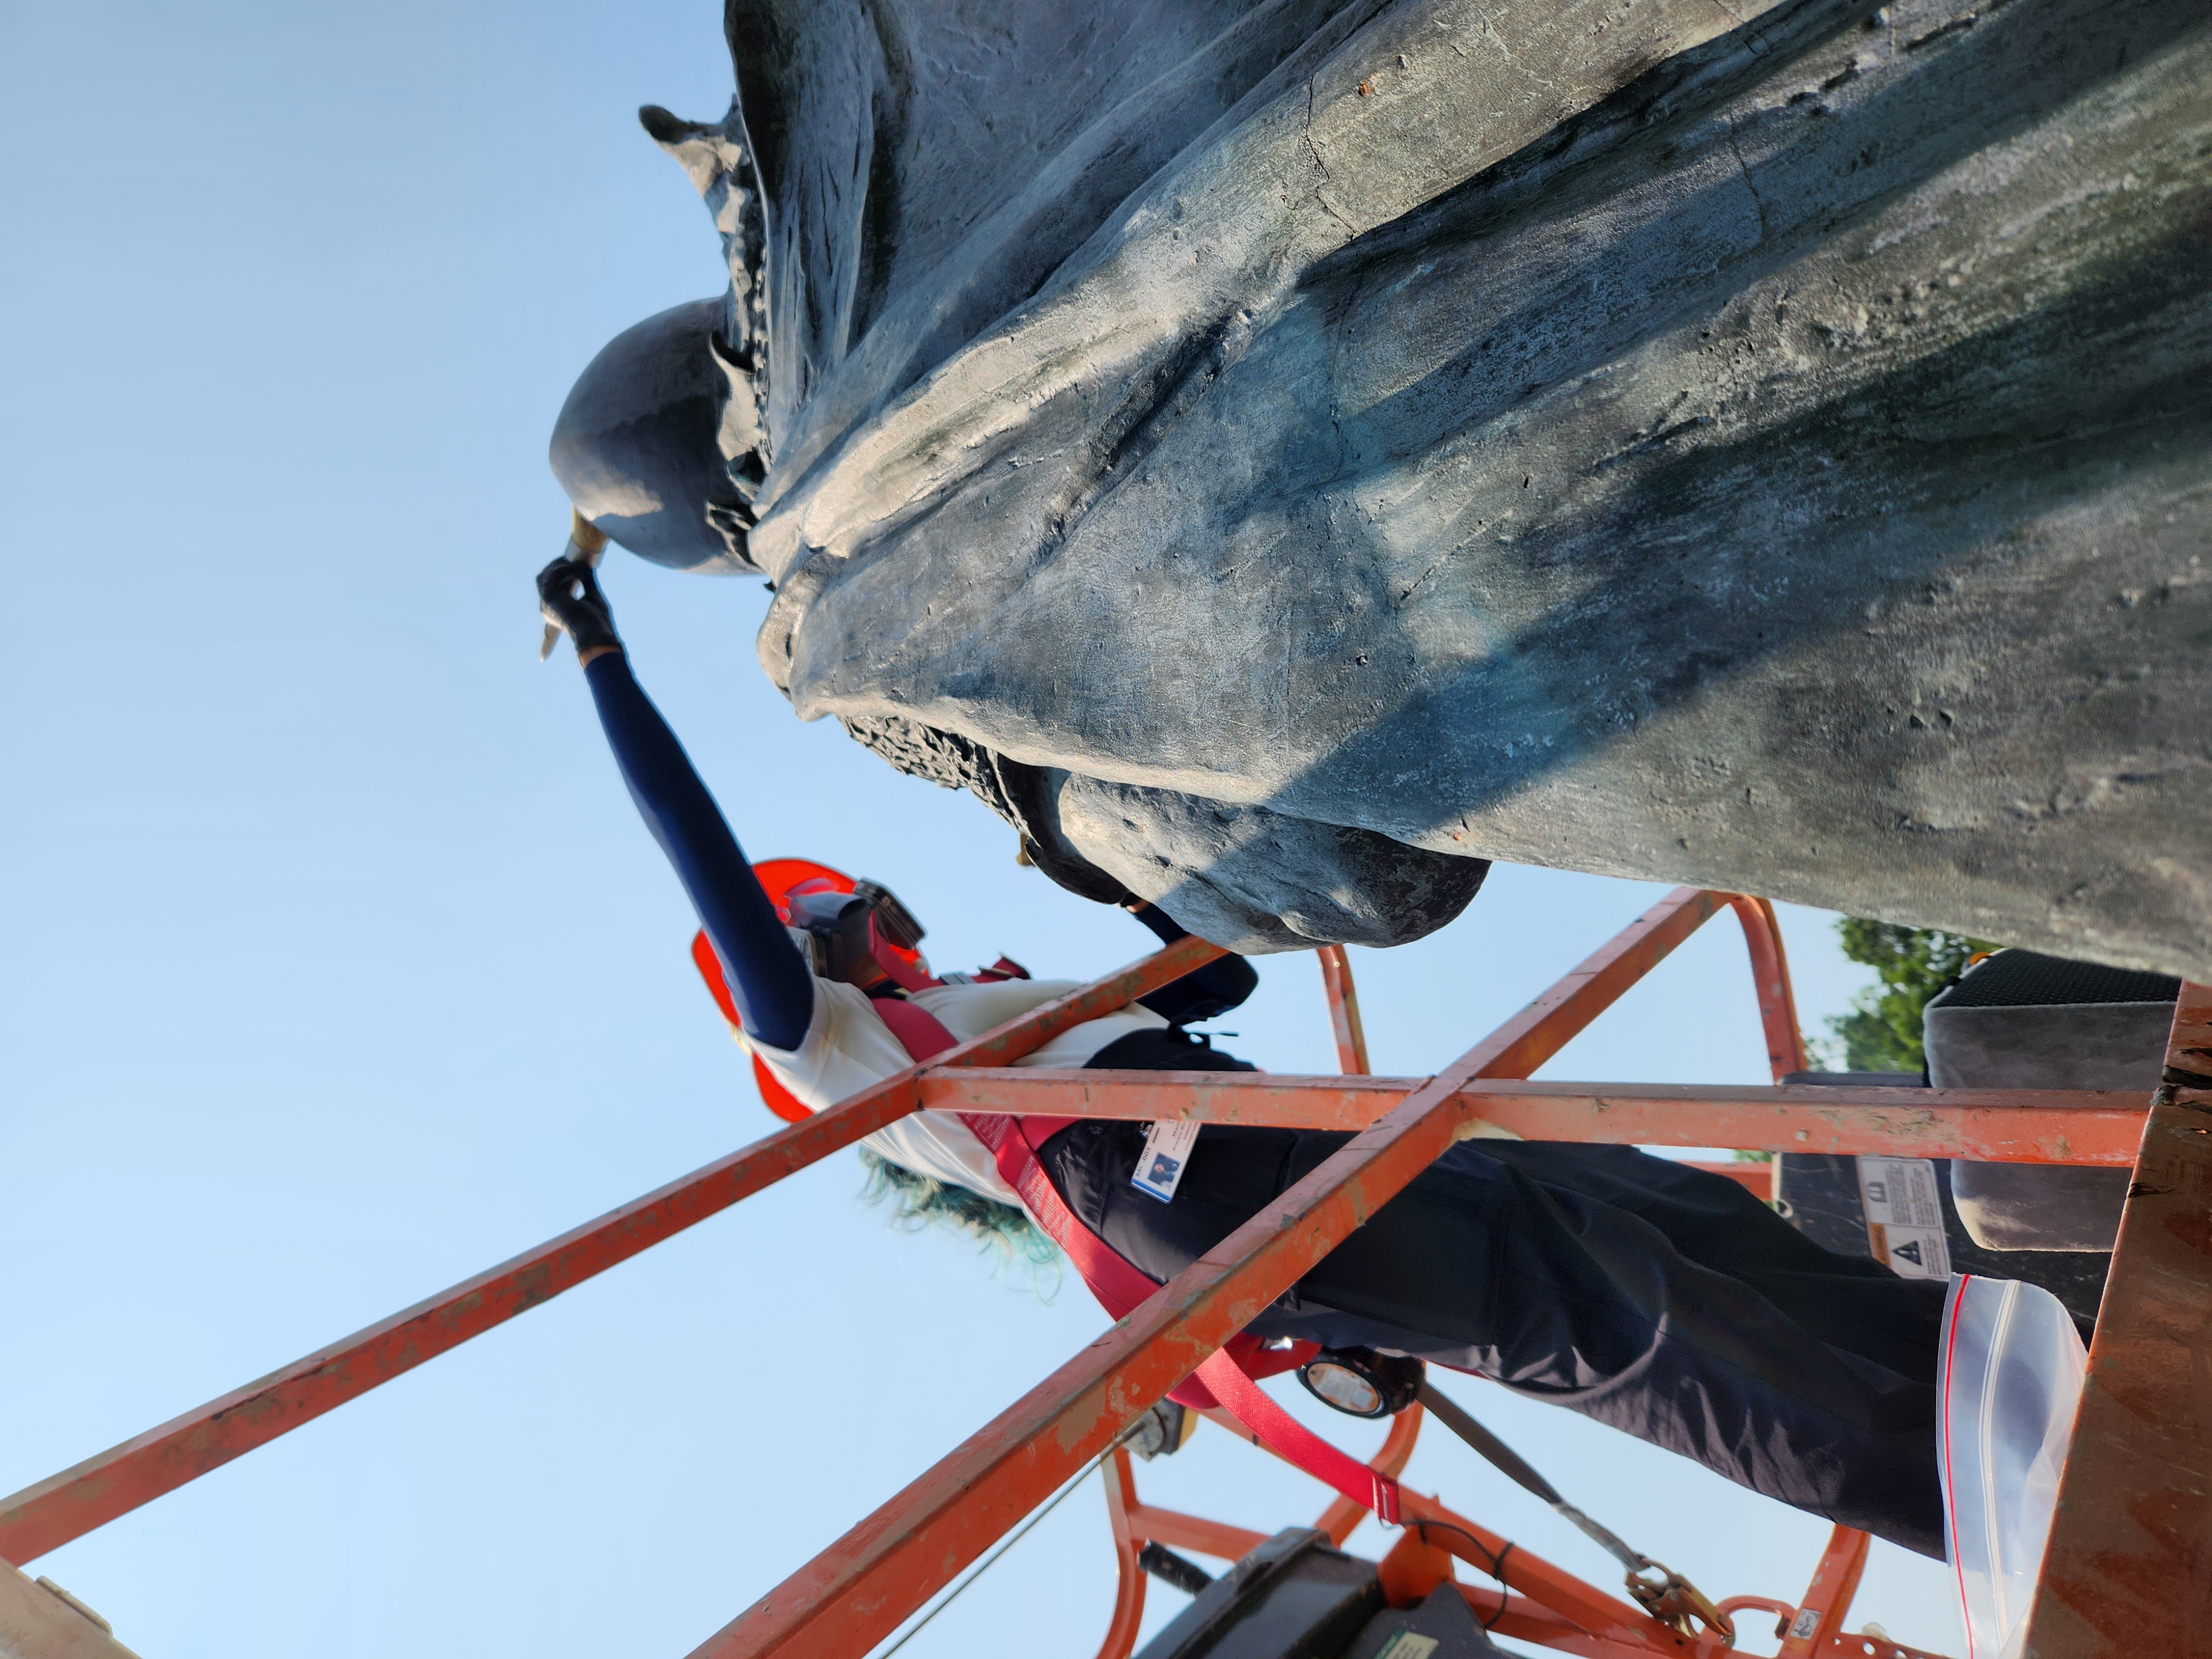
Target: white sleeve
x: 847, y: 1049
x: 969, y: 1011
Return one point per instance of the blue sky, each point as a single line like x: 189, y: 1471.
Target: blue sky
x: 337, y: 967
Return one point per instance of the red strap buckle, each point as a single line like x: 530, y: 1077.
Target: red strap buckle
x: 1386, y: 1500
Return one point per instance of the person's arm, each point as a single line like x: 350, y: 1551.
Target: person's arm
x: 771, y: 984
x: 1203, y: 992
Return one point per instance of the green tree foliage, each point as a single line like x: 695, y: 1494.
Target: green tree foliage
x: 1881, y: 1032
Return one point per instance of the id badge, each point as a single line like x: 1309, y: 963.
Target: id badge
x: 1167, y: 1150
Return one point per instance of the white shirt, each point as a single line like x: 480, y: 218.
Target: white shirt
x: 847, y: 1048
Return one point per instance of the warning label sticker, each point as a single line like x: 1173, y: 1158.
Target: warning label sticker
x: 1905, y: 1216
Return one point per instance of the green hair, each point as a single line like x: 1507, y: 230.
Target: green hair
x: 917, y: 1201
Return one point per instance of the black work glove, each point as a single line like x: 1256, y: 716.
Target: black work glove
x: 568, y: 597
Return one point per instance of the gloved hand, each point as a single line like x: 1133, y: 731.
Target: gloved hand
x: 568, y: 597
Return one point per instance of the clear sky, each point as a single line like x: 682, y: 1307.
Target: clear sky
x: 337, y: 968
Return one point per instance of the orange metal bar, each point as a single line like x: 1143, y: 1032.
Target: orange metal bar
x: 1843, y: 1644
x: 1343, y: 1010
x: 2128, y: 1571
x: 1583, y: 1607
x: 44, y: 1516
x: 859, y: 1590
x: 1413, y: 1568
x: 1769, y: 977
x: 1192, y: 1532
x: 1546, y: 1025
x: 1520, y: 1617
x: 1129, y: 1584
x: 1828, y: 1597
x: 1505, y: 1613
x: 2003, y: 1126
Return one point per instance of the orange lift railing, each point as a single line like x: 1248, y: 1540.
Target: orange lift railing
x: 2131, y: 1555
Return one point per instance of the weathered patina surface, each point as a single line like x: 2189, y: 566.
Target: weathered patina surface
x: 1280, y: 457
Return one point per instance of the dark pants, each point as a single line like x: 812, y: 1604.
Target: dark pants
x: 1659, y: 1299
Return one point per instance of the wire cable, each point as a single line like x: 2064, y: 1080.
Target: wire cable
x: 1496, y: 1569
x: 1011, y: 1539
x: 1500, y: 1576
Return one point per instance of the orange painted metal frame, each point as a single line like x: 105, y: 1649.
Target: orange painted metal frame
x: 860, y: 1589
x: 1770, y: 980
x: 2009, y: 1125
x: 67, y: 1505
x: 1121, y: 1506
x: 864, y: 1585
x: 2128, y: 1571
x: 1343, y: 1011
x: 1835, y: 1580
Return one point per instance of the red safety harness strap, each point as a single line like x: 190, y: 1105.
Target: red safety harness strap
x: 1226, y: 1378
x: 1291, y: 1440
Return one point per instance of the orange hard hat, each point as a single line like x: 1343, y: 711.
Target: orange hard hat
x: 783, y: 880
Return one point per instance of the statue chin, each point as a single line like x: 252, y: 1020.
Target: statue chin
x: 1282, y: 458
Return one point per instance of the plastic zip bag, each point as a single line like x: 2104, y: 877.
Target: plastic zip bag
x: 2010, y: 1380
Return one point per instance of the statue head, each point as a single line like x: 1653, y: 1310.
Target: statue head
x: 634, y: 445
x: 660, y: 443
